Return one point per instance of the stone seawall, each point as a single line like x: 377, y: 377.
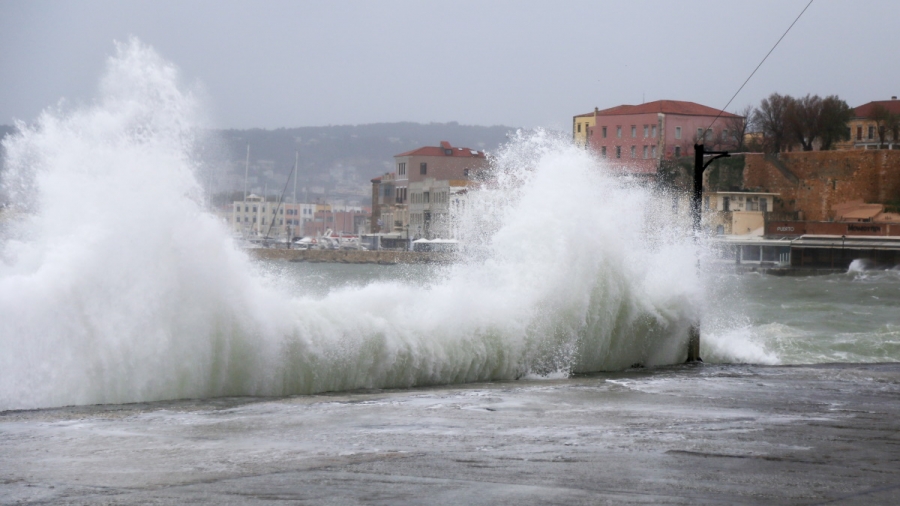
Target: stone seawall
x: 351, y: 257
x: 815, y: 181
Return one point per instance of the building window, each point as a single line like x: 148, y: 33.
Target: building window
x: 603, y: 132
x: 677, y: 132
x: 603, y: 151
x: 633, y: 150
x: 423, y: 168
x: 619, y: 132
x: 677, y: 151
x: 426, y: 197
x: 725, y: 135
x: 579, y: 127
x: 764, y: 205
x: 401, y: 168
x: 871, y: 132
x: 646, y: 130
x: 709, y: 135
x: 633, y: 131
x: 699, y: 134
x: 466, y: 173
x: 859, y: 133
x: 646, y: 151
x: 653, y: 151
x: 653, y: 131
x: 618, y: 151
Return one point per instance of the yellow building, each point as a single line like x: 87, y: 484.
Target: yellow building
x: 582, y: 126
x: 864, y: 128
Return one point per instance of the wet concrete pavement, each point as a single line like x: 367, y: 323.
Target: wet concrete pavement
x: 825, y: 434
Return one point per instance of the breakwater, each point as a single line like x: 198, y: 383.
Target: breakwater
x: 384, y: 257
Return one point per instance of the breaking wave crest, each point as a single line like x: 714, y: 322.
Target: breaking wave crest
x: 116, y: 286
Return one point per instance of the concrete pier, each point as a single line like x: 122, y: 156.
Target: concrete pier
x: 683, y: 435
x: 352, y: 256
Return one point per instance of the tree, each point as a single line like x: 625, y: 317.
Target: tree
x: 886, y: 122
x: 771, y: 119
x: 834, y: 118
x: 810, y: 120
x: 738, y: 127
x: 804, y: 120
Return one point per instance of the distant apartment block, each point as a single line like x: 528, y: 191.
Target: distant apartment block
x: 256, y: 217
x: 635, y: 138
x: 403, y: 201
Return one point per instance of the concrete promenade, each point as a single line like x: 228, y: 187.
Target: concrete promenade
x: 684, y: 435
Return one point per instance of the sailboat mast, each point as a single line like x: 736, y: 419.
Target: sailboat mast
x: 246, y: 171
x: 296, y: 160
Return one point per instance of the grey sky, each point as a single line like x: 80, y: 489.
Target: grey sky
x: 523, y: 63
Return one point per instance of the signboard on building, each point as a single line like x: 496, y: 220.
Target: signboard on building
x: 798, y: 228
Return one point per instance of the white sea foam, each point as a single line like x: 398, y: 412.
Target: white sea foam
x: 116, y: 286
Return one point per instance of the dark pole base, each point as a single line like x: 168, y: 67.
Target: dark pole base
x: 694, y: 345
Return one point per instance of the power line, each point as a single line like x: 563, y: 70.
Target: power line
x: 760, y: 63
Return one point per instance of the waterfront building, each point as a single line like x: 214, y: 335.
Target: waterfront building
x: 581, y: 125
x: 444, y: 169
x: 257, y: 217
x: 636, y: 138
x: 737, y: 212
x: 434, y: 207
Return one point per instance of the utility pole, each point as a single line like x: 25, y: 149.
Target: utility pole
x: 696, y: 217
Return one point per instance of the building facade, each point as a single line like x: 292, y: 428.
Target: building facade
x: 433, y: 205
x: 256, y: 217
x: 737, y: 213
x: 636, y: 138
x: 581, y: 125
x: 432, y: 172
x: 866, y: 129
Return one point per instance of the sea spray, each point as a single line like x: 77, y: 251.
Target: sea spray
x: 116, y: 286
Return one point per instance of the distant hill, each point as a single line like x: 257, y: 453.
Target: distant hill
x: 339, y: 161
x: 335, y: 162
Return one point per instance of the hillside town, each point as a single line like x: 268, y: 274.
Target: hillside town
x: 816, y: 184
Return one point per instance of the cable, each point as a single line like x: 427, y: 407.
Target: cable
x: 760, y: 64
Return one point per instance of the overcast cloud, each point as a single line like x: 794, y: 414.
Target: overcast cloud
x: 520, y: 63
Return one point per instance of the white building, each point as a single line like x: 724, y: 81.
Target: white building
x: 435, y: 206
x: 256, y: 217
x: 737, y: 213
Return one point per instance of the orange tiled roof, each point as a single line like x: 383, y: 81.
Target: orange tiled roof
x: 441, y: 151
x: 867, y: 110
x: 666, y: 107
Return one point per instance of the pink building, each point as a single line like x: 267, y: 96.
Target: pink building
x: 636, y: 138
x: 443, y: 162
